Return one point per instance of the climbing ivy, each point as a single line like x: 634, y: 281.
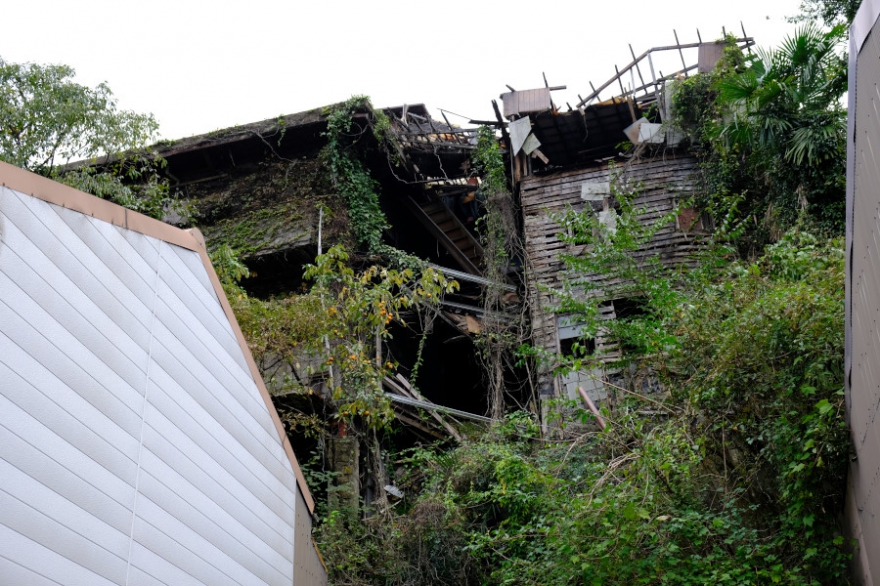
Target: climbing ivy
x: 350, y: 174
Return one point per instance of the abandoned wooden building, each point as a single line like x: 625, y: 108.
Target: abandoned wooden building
x: 265, y: 190
x: 573, y: 160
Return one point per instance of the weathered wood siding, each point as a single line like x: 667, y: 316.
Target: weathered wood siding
x: 135, y: 444
x: 661, y: 183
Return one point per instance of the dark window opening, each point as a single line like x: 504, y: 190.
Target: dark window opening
x: 577, y: 346
x: 630, y: 307
x: 279, y: 273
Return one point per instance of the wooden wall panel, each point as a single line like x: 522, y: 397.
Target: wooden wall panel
x: 660, y: 183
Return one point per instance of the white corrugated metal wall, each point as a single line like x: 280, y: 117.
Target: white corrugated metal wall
x: 135, y: 447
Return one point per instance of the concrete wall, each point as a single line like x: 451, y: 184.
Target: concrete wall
x: 136, y: 445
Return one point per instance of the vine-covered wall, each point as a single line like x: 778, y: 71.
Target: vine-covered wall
x: 660, y: 183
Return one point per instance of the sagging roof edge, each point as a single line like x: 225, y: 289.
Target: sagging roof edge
x: 59, y: 194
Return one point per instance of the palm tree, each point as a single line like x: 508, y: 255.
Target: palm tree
x: 786, y: 102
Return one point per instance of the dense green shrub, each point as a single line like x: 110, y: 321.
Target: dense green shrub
x: 737, y: 479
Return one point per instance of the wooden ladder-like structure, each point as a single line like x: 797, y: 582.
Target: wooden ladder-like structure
x: 445, y: 226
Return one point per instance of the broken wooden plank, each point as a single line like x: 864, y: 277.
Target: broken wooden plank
x: 417, y: 395
x: 413, y: 422
x: 428, y: 406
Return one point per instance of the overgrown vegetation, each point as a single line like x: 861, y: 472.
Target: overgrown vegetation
x: 734, y: 479
x: 330, y: 339
x: 770, y: 131
x: 735, y: 472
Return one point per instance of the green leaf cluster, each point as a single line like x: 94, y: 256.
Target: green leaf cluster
x: 351, y: 176
x: 770, y: 130
x: 332, y: 330
x: 48, y: 120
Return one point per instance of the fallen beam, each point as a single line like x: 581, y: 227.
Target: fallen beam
x: 434, y: 407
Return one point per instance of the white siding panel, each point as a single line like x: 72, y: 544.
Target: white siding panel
x: 84, y: 320
x: 137, y: 577
x: 250, y: 555
x: 81, y: 288
x: 203, y: 303
x: 162, y: 435
x: 174, y: 359
x: 214, y: 358
x: 73, y: 256
x: 181, y: 409
x: 117, y: 481
x: 127, y: 255
x: 160, y: 568
x: 188, y: 551
x: 59, y: 538
x: 193, y: 474
x: 13, y: 574
x: 76, y: 420
x: 221, y: 506
x: 38, y: 497
x: 39, y: 466
x: 41, y: 560
x: 165, y: 571
x: 135, y: 446
x: 195, y: 266
x: 63, y: 355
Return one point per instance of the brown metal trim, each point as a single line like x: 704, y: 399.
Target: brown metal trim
x: 56, y: 193
x: 73, y: 199
x: 255, y: 372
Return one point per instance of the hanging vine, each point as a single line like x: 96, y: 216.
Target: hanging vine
x: 499, y: 337
x: 350, y: 175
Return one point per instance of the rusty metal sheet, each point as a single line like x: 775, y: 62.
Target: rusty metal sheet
x: 526, y: 101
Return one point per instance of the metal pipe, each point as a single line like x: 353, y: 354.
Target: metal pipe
x: 320, y: 223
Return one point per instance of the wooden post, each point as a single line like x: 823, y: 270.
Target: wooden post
x: 592, y: 407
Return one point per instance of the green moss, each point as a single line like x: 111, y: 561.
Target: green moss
x: 284, y: 225
x: 271, y: 206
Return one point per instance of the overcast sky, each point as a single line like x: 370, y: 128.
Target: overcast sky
x: 199, y: 66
